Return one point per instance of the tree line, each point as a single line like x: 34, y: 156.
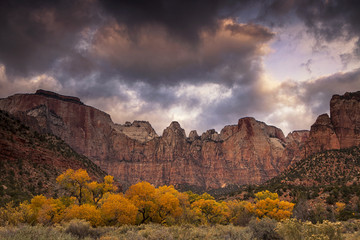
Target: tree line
x: 101, y: 204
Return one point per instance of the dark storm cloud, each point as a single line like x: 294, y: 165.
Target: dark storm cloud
x: 159, y: 42
x: 227, y: 56
x: 182, y: 19
x: 328, y: 20
x: 34, y: 34
x: 331, y: 19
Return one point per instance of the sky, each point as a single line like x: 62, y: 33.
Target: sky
x: 205, y: 64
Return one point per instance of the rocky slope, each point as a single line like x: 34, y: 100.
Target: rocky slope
x: 316, y: 184
x: 30, y: 162
x: 249, y: 152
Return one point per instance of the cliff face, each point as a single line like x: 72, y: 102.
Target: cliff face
x: 345, y: 118
x: 31, y: 162
x: 249, y: 152
x: 341, y: 129
x: 84, y: 128
x: 245, y: 153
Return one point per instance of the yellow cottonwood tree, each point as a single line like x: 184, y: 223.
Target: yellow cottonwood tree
x: 142, y: 195
x: 118, y: 210
x: 97, y: 190
x: 85, y: 211
x: 167, y: 204
x: 266, y: 194
x: 210, y: 211
x: 194, y: 197
x: 267, y: 204
x: 75, y: 183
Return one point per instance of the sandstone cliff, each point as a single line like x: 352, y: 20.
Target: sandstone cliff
x: 30, y: 162
x: 345, y: 118
x: 249, y: 152
x: 341, y: 129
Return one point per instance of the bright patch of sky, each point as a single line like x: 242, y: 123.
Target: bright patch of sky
x: 297, y: 55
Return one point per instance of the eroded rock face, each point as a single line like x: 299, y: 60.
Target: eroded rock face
x: 341, y: 129
x: 345, y: 118
x: 138, y: 130
x: 249, y: 152
x: 322, y: 135
x: 295, y: 146
x: 84, y: 128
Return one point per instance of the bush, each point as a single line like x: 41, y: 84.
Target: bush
x: 187, y: 231
x: 36, y: 232
x: 295, y: 230
x: 82, y: 229
x: 264, y: 229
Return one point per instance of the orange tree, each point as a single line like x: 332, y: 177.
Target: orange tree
x: 48, y: 210
x: 167, y: 204
x: 142, y: 195
x: 85, y: 211
x: 97, y: 190
x: 77, y: 184
x: 117, y: 210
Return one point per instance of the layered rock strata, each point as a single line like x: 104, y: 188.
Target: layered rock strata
x: 249, y: 152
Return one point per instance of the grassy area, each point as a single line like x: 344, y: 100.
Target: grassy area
x: 264, y: 229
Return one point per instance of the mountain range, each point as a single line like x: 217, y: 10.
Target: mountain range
x: 249, y: 152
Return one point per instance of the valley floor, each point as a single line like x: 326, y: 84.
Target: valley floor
x: 258, y: 229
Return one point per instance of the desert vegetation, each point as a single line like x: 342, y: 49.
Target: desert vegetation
x: 88, y: 209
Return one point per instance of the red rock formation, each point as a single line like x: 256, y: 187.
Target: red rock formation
x: 84, y: 128
x: 295, y: 146
x: 341, y: 130
x: 249, y: 152
x: 322, y: 136
x: 30, y: 162
x: 345, y: 117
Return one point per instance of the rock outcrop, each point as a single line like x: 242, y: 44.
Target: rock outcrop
x: 138, y: 130
x: 345, y: 118
x: 341, y: 129
x: 295, y: 146
x: 322, y: 135
x: 249, y: 152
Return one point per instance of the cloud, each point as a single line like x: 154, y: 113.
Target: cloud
x: 197, y: 62
x: 25, y: 85
x: 328, y: 20
x: 182, y: 20
x: 297, y: 104
x: 307, y: 65
x: 226, y: 56
x: 34, y: 34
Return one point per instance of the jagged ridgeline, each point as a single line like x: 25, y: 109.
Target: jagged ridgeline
x: 30, y: 162
x: 249, y: 152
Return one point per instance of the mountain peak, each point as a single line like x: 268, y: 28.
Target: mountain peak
x: 58, y: 96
